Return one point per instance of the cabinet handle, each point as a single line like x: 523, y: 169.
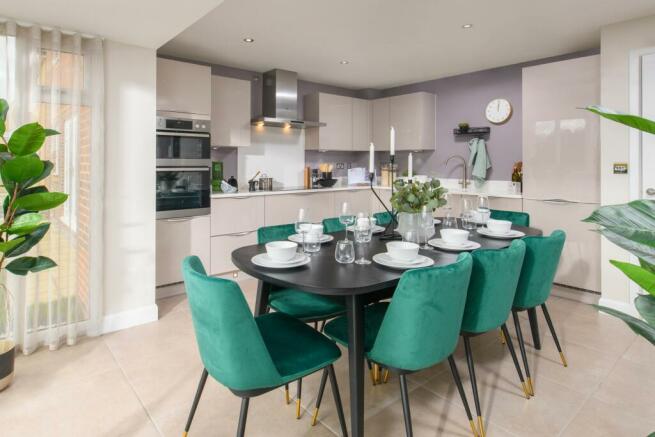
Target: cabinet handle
x: 177, y: 220
x: 559, y: 201
x: 239, y: 234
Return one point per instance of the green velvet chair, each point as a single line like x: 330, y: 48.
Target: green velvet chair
x: 250, y: 355
x: 542, y: 256
x: 418, y: 329
x: 308, y: 307
x: 382, y: 218
x: 489, y: 302
x: 332, y: 224
x: 517, y: 218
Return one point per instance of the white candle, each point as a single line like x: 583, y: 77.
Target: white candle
x: 371, y: 159
x: 409, y: 166
x: 392, y: 142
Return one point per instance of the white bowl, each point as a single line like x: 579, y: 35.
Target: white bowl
x: 312, y: 228
x: 454, y: 236
x: 402, y: 250
x: 281, y: 251
x: 499, y: 226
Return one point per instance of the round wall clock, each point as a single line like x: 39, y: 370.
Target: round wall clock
x: 498, y: 111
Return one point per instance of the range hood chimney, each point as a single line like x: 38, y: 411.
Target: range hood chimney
x: 280, y: 101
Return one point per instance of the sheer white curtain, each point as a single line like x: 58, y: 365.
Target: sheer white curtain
x: 57, y: 79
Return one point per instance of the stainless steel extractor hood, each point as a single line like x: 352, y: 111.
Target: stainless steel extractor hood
x: 280, y: 102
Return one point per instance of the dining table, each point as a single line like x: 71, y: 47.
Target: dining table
x: 358, y: 285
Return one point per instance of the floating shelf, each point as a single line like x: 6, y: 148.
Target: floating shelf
x: 473, y: 131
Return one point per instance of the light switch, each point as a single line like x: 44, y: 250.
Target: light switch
x: 620, y: 168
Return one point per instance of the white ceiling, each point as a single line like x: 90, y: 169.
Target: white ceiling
x: 145, y: 23
x: 390, y: 43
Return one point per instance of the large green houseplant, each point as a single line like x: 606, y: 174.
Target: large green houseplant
x: 22, y: 173
x: 632, y: 227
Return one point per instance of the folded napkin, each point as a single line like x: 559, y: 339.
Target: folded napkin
x: 478, y: 159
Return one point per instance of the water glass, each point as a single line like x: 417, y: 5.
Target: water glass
x: 344, y: 252
x: 363, y: 232
x: 449, y: 221
x: 484, y: 211
x: 427, y: 223
x: 346, y: 217
x: 302, y: 224
x: 468, y: 220
x: 311, y: 242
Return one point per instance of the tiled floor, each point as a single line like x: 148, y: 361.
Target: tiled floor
x: 140, y: 382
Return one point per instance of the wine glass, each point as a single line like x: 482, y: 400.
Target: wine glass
x: 363, y: 231
x: 301, y: 224
x: 484, y: 211
x: 346, y: 217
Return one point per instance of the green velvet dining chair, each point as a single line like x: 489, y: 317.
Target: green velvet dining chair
x: 250, y: 355
x: 332, y: 224
x: 488, y: 305
x: 382, y: 218
x: 516, y: 217
x: 418, y: 329
x: 542, y: 255
x: 308, y: 307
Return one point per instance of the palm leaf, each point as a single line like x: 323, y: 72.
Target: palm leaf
x: 638, y: 326
x: 634, y: 121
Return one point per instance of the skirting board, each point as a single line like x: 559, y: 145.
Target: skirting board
x: 618, y: 305
x: 128, y: 319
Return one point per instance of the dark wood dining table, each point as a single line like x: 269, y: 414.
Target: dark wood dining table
x: 358, y: 285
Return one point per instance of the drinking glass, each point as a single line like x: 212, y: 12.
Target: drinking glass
x: 449, y: 221
x: 301, y: 225
x: 311, y: 242
x: 344, y: 252
x: 427, y: 223
x: 346, y: 217
x: 363, y: 231
x: 483, y: 209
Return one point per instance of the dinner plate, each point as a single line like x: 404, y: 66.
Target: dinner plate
x: 376, y: 229
x: 263, y: 260
x: 440, y: 244
x: 297, y: 238
x: 437, y: 222
x: 385, y: 260
x: 508, y: 236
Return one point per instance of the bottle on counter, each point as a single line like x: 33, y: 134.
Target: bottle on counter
x: 314, y: 178
x: 233, y: 181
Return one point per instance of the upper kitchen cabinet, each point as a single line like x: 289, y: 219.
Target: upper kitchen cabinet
x: 230, y: 112
x: 362, y: 124
x: 337, y: 114
x: 183, y: 87
x: 414, y: 118
x: 381, y: 125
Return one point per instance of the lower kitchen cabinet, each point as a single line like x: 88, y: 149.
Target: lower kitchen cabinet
x: 385, y: 196
x: 283, y: 208
x: 231, y: 215
x: 359, y: 201
x: 176, y: 239
x: 222, y: 247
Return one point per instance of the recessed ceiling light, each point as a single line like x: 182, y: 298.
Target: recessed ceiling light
x: 248, y: 40
x: 344, y: 62
x: 467, y: 26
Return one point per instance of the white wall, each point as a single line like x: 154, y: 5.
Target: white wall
x: 277, y: 152
x: 129, y: 203
x: 617, y: 42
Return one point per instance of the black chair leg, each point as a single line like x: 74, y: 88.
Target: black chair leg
x: 298, y: 397
x: 404, y: 394
x: 512, y: 352
x: 460, y: 389
x: 524, y: 356
x: 337, y: 400
x: 534, y: 327
x: 552, y: 332
x: 474, y: 384
x: 319, y: 398
x: 241, y: 430
x: 287, y: 398
x: 196, y: 399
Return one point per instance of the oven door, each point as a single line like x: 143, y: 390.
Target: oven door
x: 183, y: 191
x: 186, y: 149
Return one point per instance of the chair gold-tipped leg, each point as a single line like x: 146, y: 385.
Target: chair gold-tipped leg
x: 481, y: 427
x: 315, y: 417
x: 473, y: 428
x: 287, y: 398
x: 385, y: 379
x: 372, y: 372
x: 185, y: 434
x: 298, y: 408
x: 526, y: 390
x: 376, y: 373
x: 502, y: 337
x: 564, y: 363
x: 530, y: 387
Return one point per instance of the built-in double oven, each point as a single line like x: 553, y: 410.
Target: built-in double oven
x: 183, y: 165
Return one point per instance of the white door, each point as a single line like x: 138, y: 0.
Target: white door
x: 648, y: 140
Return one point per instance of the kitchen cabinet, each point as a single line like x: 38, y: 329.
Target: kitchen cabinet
x: 337, y: 113
x: 414, y: 118
x: 233, y: 215
x: 222, y: 247
x: 283, y: 208
x: 375, y: 205
x: 176, y: 239
x: 362, y: 124
x: 381, y: 125
x: 183, y: 87
x: 359, y: 201
x: 230, y: 124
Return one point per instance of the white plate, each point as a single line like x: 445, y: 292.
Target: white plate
x: 508, y: 236
x: 437, y: 222
x: 297, y: 238
x: 385, y: 260
x: 263, y: 260
x: 376, y: 229
x: 440, y: 244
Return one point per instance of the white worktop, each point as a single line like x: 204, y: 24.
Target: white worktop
x: 293, y: 191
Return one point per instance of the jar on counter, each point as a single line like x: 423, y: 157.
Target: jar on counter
x: 388, y: 174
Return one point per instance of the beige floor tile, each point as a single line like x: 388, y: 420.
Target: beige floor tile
x: 630, y: 386
x: 641, y: 351
x: 173, y: 303
x: 599, y: 419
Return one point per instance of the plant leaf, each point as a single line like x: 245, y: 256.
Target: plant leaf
x: 645, y: 305
x: 27, y: 139
x: 30, y: 241
x: 23, y: 265
x: 638, y: 326
x: 4, y: 109
x: 6, y: 246
x: 641, y: 276
x: 647, y: 266
x: 3, y: 126
x: 51, y: 132
x: 22, y: 168
x: 41, y: 201
x: 634, y: 121
x: 26, y: 223
x: 48, y: 166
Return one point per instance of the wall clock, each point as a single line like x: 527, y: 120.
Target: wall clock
x: 498, y: 111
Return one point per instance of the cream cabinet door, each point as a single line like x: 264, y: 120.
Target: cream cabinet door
x: 222, y: 247
x: 506, y: 203
x: 283, y: 208
x: 176, y: 239
x: 381, y: 126
x: 362, y: 124
x: 230, y: 112
x: 183, y: 87
x: 231, y: 215
x: 359, y: 201
x: 414, y: 118
x: 385, y: 196
x: 337, y: 114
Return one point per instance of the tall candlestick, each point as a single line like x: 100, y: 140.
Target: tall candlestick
x: 392, y: 142
x: 371, y: 159
x: 409, y: 166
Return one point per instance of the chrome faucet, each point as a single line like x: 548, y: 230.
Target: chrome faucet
x: 464, y: 182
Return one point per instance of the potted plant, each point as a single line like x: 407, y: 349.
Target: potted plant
x: 23, y: 226
x: 412, y: 201
x: 517, y: 176
x: 463, y: 127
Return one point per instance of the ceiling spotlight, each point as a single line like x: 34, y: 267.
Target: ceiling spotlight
x: 467, y: 26
x: 248, y: 40
x: 344, y: 62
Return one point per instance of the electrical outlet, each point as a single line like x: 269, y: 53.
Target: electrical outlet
x: 620, y: 168
x: 340, y: 165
